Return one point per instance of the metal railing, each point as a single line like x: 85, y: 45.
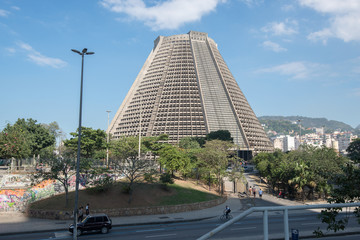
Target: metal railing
x: 266, y: 210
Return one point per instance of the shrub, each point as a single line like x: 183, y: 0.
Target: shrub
x: 102, y: 184
x: 166, y: 178
x: 125, y: 189
x: 150, y: 176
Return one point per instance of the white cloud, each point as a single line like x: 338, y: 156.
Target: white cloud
x: 273, y: 46
x: 15, y: 8
x: 281, y: 28
x: 170, y: 14
x: 25, y: 46
x: 344, y: 19
x: 10, y: 50
x: 40, y: 59
x: 4, y: 13
x: 287, y: 8
x: 296, y: 70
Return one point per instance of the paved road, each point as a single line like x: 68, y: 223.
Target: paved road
x: 249, y: 228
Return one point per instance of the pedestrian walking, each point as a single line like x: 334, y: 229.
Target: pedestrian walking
x: 81, y: 214
x: 87, y: 210
x: 260, y: 193
x: 250, y: 191
x: 254, y: 192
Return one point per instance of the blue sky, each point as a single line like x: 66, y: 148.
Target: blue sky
x: 289, y: 57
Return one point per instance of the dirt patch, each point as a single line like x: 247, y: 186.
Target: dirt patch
x: 196, y: 185
x: 143, y: 195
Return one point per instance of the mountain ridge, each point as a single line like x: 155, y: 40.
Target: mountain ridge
x: 308, y: 122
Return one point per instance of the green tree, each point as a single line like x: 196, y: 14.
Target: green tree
x: 308, y: 168
x: 191, y: 146
x: 174, y: 159
x: 61, y: 168
x: 347, y: 190
x: 93, y: 143
x: 125, y: 156
x: 154, y: 144
x: 354, y: 150
x: 53, y: 128
x: 274, y: 167
x: 223, y: 135
x: 189, y: 143
x: 39, y: 137
x: 303, y: 177
x: 23, y: 139
x: 214, y: 156
x: 13, y: 143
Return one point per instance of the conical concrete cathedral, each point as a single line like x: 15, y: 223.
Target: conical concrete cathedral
x: 186, y: 89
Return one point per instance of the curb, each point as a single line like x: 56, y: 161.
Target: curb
x: 114, y: 225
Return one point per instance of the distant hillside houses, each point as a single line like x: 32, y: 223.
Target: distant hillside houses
x: 337, y: 140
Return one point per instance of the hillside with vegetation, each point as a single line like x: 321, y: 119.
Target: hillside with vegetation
x: 290, y: 124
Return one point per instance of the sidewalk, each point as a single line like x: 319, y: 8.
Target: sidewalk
x: 13, y: 223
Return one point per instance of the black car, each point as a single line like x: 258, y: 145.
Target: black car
x: 98, y: 222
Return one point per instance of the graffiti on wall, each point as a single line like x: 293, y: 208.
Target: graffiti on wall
x: 17, y: 199
x: 19, y: 193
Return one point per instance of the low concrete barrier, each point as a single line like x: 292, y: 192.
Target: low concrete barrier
x: 120, y: 212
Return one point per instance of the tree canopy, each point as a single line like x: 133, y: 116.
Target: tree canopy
x: 174, y: 158
x: 214, y: 157
x: 127, y: 161
x: 354, y: 150
x: 309, y: 167
x: 223, y: 135
x: 93, y: 142
x: 25, y: 138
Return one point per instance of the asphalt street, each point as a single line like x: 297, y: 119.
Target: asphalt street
x: 250, y: 228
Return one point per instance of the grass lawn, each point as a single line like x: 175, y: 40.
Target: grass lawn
x: 183, y: 195
x: 144, y: 194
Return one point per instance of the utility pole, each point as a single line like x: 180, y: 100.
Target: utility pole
x: 107, y: 141
x: 82, y: 54
x: 139, y: 153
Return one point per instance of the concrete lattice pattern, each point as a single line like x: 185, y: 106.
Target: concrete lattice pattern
x: 186, y: 89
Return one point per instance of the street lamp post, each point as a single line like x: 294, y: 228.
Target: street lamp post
x: 107, y: 142
x: 139, y: 152
x: 82, y: 53
x: 300, y: 130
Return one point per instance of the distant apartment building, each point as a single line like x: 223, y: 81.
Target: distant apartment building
x: 286, y: 143
x: 320, y: 131
x: 339, y: 141
x: 289, y: 143
x: 279, y: 143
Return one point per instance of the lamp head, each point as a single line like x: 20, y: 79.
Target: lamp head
x: 76, y: 51
x: 84, y: 50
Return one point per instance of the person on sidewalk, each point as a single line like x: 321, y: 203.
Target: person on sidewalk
x: 81, y: 214
x: 250, y: 191
x: 260, y: 193
x: 254, y: 192
x: 87, y: 209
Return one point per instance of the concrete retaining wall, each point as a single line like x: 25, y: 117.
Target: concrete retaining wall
x: 66, y: 215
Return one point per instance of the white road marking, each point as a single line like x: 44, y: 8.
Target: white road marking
x: 62, y: 234
x: 151, y: 230
x: 244, y: 228
x: 164, y: 235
